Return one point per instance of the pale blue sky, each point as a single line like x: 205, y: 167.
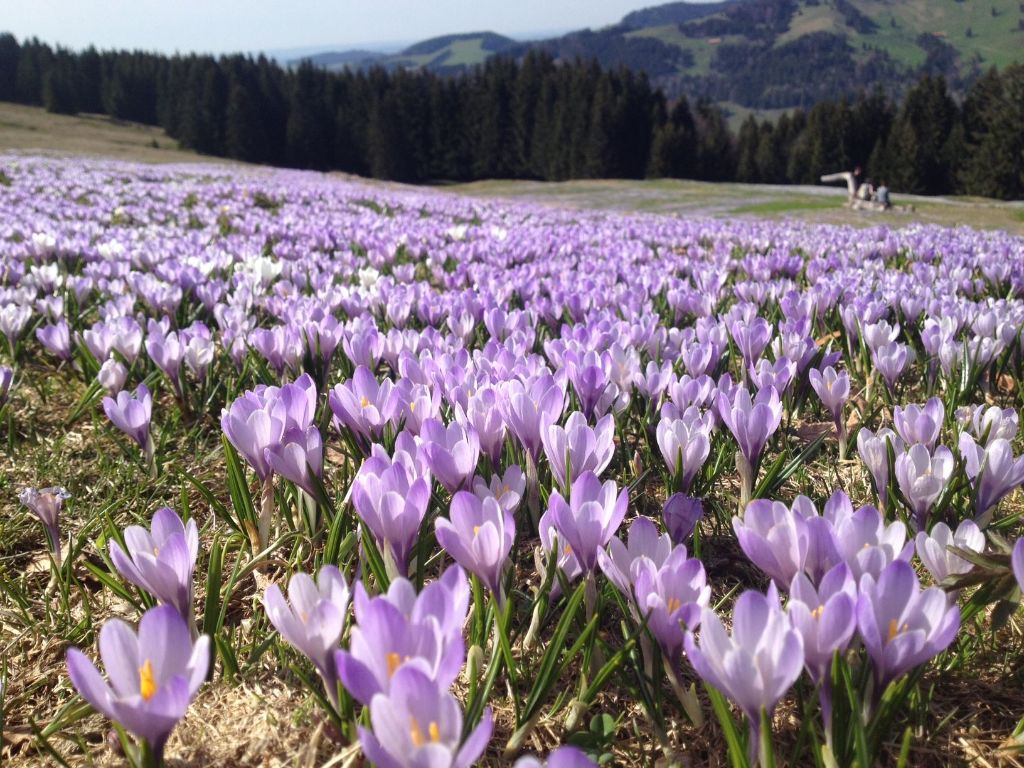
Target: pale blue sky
x: 219, y: 26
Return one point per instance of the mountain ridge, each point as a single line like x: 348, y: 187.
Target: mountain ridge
x: 761, y: 54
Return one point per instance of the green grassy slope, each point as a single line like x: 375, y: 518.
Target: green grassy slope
x: 884, y: 39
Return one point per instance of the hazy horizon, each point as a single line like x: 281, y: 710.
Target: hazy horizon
x: 265, y: 25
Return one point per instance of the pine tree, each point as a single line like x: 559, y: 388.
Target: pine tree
x: 994, y: 144
x: 922, y: 144
x: 307, y: 127
x: 716, y: 159
x: 747, y: 142
x: 9, y: 54
x: 59, y: 95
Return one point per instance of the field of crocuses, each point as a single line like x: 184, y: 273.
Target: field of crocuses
x: 303, y: 471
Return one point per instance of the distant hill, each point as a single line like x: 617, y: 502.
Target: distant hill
x: 339, y: 59
x: 764, y: 54
x: 671, y: 13
x: 446, y: 54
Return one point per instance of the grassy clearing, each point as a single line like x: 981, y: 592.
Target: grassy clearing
x: 697, y: 198
x: 787, y: 206
x: 32, y: 129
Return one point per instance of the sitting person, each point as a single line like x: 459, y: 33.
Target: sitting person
x: 882, y: 196
x: 866, y: 192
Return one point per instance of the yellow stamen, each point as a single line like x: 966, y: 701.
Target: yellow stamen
x: 673, y: 604
x: 416, y: 734
x: 147, y: 685
x: 568, y: 549
x: 435, y: 732
x: 363, y: 402
x: 393, y: 661
x: 156, y: 551
x: 895, y: 629
x: 816, y: 613
x: 502, y: 491
x: 476, y: 529
x: 412, y: 407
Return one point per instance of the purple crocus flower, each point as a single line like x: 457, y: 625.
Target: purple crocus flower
x: 685, y: 444
x: 56, y: 338
x: 254, y: 422
x: 779, y: 374
x: 867, y: 545
x: 563, y: 757
x: 567, y: 561
x: 483, y: 413
x: 444, y: 600
x: 451, y: 452
x: 507, y: 489
x: 590, y: 519
x: 6, y: 377
x: 652, y: 383
x: 161, y: 560
x: 522, y: 407
x: 112, y: 376
x: 922, y: 477
x: 99, y: 340
x: 586, y: 449
x: 994, y: 473
x: 167, y: 352
x: 758, y: 664
x: 902, y: 625
x: 46, y: 504
x: 132, y: 416
x: 825, y: 617
x: 920, y: 424
x: 834, y: 390
x: 391, y: 632
x: 1017, y: 562
x: 699, y: 358
x: 415, y: 403
x: 364, y: 405
x: 479, y: 537
x: 391, y: 499
x: 752, y: 422
x: 313, y: 621
x: 643, y: 542
x: 879, y: 334
x: 681, y: 515
x: 873, y: 449
x: 418, y: 723
x: 891, y: 360
x: 988, y: 424
x: 154, y: 675
x: 775, y: 538
x: 589, y: 379
x: 13, y: 320
x: 671, y: 595
x: 933, y: 548
x: 299, y: 456
x: 363, y: 346
x: 299, y: 400
x: 751, y: 338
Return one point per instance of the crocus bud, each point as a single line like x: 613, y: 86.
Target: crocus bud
x: 112, y: 376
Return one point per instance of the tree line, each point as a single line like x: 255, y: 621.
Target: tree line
x: 531, y: 118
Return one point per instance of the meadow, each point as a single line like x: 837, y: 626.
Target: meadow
x: 301, y: 470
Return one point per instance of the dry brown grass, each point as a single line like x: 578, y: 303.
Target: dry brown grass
x: 32, y: 129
